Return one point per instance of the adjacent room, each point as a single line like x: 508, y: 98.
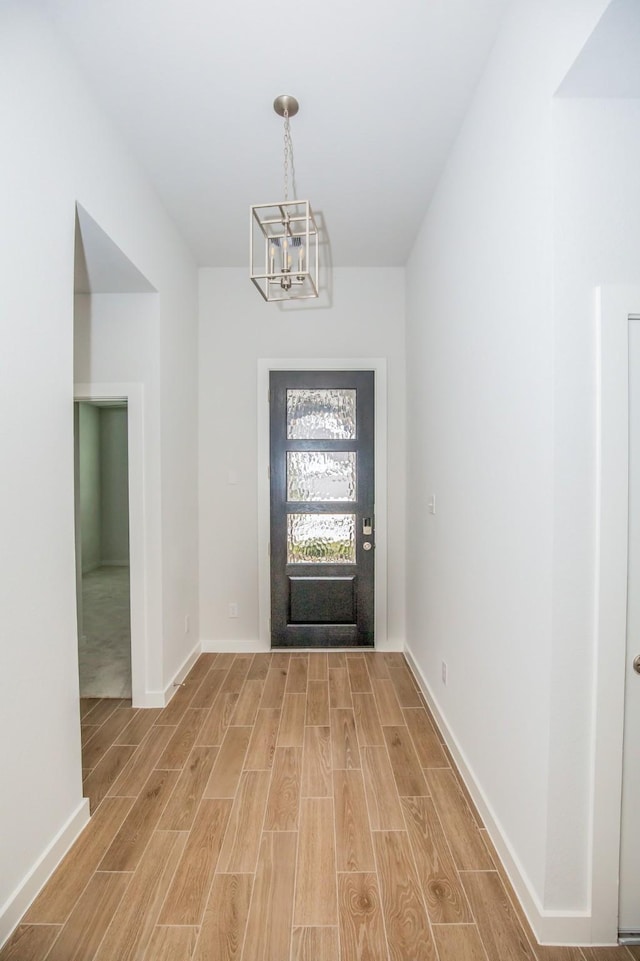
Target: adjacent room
x: 102, y: 515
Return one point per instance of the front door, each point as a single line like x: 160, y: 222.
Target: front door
x: 322, y: 508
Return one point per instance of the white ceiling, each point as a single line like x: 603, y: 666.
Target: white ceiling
x: 382, y: 89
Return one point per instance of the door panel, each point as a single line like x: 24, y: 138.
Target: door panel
x: 322, y: 508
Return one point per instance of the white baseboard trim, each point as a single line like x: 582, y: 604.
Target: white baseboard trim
x: 180, y: 675
x: 152, y: 699
x: 162, y: 698
x: 257, y: 647
x: 234, y: 647
x: 549, y: 927
x: 389, y: 645
x: 26, y: 892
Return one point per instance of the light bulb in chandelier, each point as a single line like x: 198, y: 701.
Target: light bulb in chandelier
x: 288, y: 253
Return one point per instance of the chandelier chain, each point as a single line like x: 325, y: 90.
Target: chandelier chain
x: 288, y: 153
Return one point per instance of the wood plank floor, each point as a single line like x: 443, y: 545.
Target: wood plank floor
x: 283, y: 807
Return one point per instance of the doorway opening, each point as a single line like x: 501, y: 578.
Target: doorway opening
x: 629, y: 901
x: 616, y: 840
x: 102, y: 549
x: 105, y: 349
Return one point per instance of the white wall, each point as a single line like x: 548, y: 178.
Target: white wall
x: 485, y: 588
x: 114, y: 482
x: 58, y: 149
x: 237, y: 328
x: 89, y: 486
x: 597, y: 242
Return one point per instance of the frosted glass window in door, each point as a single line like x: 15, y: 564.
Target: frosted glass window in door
x: 321, y: 538
x: 318, y: 475
x: 321, y: 414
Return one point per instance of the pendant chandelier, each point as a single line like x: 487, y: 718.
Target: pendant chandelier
x: 283, y: 239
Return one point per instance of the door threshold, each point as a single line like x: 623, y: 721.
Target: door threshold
x: 323, y: 650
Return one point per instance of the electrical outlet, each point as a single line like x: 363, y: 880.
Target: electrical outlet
x: 233, y: 609
x: 444, y: 672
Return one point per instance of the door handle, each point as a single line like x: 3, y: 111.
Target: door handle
x: 636, y: 663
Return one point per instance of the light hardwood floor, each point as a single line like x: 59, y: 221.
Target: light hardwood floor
x: 282, y: 807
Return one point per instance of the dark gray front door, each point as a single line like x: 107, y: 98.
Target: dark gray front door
x: 322, y: 508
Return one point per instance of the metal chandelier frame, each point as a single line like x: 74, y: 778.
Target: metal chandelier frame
x: 283, y: 236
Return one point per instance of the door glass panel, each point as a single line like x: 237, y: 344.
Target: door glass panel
x: 321, y: 538
x: 321, y: 414
x: 318, y: 475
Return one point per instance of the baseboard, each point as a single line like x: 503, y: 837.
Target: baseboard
x: 233, y: 647
x: 30, y: 887
x: 389, y: 645
x: 151, y: 699
x: 256, y: 647
x: 165, y: 696
x: 549, y: 927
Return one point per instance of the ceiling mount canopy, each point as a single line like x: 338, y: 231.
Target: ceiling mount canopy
x: 286, y: 106
x: 283, y: 238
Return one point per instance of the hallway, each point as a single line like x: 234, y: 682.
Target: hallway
x: 282, y: 806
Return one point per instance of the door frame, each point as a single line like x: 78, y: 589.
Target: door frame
x: 379, y: 366
x: 133, y: 395
x: 615, y: 306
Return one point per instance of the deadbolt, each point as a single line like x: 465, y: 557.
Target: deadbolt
x: 636, y: 663
x: 367, y: 546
